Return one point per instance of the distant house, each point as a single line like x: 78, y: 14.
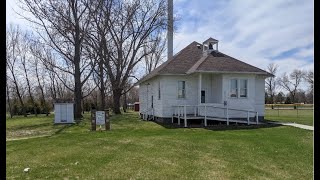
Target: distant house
x: 200, y: 82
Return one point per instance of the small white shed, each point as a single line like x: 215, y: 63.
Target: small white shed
x: 63, y: 112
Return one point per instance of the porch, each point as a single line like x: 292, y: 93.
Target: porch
x: 211, y: 112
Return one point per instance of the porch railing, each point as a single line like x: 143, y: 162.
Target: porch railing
x: 212, y: 112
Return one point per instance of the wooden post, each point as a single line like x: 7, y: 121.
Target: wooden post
x: 107, y: 120
x: 297, y: 111
x: 179, y: 115
x: 205, y: 115
x: 93, y: 119
x: 199, y: 88
x: 227, y: 116
x: 248, y: 117
x: 174, y: 111
x: 185, y: 116
x: 257, y: 118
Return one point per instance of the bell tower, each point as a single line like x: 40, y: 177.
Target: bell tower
x: 210, y: 45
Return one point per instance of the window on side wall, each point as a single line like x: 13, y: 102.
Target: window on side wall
x: 233, y: 88
x: 243, y: 88
x: 181, y: 89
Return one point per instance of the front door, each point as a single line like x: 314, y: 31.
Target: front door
x: 203, y: 96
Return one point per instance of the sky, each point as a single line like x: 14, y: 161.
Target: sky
x: 253, y: 31
x: 256, y: 32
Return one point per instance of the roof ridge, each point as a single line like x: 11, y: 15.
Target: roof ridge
x: 197, y: 64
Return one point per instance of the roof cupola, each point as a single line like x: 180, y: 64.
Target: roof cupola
x: 208, y: 45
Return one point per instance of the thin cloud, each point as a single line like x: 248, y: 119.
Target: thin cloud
x: 253, y: 31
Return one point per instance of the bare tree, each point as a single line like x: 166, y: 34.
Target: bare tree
x: 8, y: 99
x: 156, y: 48
x: 34, y: 48
x: 271, y: 81
x: 133, y: 95
x: 309, y: 79
x: 130, y: 26
x: 24, y: 59
x: 291, y: 82
x: 13, y: 40
x: 63, y: 26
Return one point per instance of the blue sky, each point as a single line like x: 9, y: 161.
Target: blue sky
x: 256, y: 32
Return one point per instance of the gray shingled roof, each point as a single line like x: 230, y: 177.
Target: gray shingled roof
x: 192, y: 59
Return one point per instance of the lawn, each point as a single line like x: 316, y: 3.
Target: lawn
x: 301, y: 116
x: 136, y: 149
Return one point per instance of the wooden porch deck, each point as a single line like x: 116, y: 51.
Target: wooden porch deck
x: 192, y: 117
x: 181, y: 113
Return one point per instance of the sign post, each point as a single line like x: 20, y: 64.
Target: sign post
x: 107, y: 121
x: 100, y: 118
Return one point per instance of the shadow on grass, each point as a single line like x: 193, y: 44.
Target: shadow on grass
x: 220, y: 126
x: 30, y: 126
x: 64, y: 127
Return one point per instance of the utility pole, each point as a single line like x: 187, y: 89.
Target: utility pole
x: 170, y: 29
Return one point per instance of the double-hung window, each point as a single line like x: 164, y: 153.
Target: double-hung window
x: 234, y: 88
x: 238, y: 88
x: 181, y: 89
x: 243, y: 87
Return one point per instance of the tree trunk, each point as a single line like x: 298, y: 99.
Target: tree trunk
x: 77, y: 94
x: 77, y: 73
x: 116, y: 100
x: 19, y: 96
x: 102, y: 87
x: 124, y: 106
x: 43, y: 101
x: 29, y: 89
x: 9, y: 104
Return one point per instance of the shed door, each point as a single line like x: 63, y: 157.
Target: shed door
x: 70, y: 113
x: 64, y: 113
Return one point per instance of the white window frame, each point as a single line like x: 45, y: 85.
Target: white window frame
x: 230, y: 89
x: 238, y: 88
x: 183, y: 96
x: 245, y: 88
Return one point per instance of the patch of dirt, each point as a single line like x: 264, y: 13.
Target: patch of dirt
x: 26, y: 133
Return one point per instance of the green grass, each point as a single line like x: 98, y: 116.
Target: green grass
x: 303, y: 116
x: 136, y: 149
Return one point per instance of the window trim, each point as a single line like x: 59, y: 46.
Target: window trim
x: 230, y: 82
x: 183, y: 90
x: 238, y: 88
x: 245, y: 88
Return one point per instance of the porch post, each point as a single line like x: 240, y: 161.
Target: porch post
x: 199, y: 88
x: 205, y: 115
x: 227, y: 116
x: 179, y: 115
x: 185, y: 115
